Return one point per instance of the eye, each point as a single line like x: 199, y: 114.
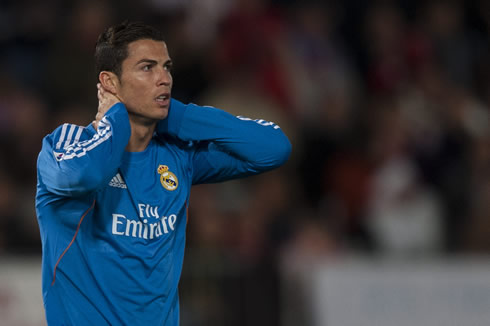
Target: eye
x: 146, y: 68
x: 168, y: 67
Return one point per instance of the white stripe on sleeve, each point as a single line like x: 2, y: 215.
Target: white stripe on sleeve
x: 84, y: 150
x: 79, y: 149
x: 79, y: 133
x: 62, y: 137
x: 70, y: 135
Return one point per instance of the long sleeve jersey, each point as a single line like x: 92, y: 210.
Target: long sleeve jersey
x: 113, y: 223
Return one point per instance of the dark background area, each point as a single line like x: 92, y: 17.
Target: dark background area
x: 386, y: 104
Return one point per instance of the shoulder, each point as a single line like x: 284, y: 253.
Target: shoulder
x: 170, y: 141
x: 180, y: 148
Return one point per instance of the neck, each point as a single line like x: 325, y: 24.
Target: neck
x: 141, y: 135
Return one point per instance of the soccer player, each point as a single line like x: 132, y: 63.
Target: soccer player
x: 112, y: 196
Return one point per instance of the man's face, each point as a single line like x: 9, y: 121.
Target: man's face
x: 145, y: 82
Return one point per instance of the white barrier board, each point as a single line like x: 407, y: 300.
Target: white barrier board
x: 20, y: 292
x: 366, y: 293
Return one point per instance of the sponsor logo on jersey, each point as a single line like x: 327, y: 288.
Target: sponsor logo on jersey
x: 150, y: 225
x: 168, y: 179
x: 118, y: 182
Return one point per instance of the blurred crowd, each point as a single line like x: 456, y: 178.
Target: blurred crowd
x: 386, y: 103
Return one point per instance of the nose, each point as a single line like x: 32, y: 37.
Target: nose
x: 164, y: 77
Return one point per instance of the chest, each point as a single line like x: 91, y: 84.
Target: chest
x: 145, y: 200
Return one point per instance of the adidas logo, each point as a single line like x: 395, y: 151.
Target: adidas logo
x: 118, y: 182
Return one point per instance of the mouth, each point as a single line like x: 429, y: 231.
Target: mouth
x: 163, y: 100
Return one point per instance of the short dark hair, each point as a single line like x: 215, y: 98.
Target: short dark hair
x: 111, y: 48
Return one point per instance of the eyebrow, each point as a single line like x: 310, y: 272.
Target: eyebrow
x: 154, y: 62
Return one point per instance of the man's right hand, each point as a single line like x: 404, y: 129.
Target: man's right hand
x: 106, y: 101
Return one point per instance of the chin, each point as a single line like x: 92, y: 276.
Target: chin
x: 161, y: 116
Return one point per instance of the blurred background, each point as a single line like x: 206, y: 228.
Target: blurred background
x: 381, y: 216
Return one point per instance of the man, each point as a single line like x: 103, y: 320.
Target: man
x: 112, y: 197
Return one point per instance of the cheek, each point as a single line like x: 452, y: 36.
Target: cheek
x: 130, y: 101
x: 130, y: 93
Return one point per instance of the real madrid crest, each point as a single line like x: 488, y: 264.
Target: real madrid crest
x: 168, y: 179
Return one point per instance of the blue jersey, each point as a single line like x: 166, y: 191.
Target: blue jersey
x: 113, y: 222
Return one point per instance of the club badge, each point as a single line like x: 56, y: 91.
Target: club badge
x: 168, y: 179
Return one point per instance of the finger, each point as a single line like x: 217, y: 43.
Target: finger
x: 105, y: 89
x: 99, y: 116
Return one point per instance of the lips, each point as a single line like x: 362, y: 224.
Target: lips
x: 163, y: 99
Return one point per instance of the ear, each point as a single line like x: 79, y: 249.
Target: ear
x: 109, y: 81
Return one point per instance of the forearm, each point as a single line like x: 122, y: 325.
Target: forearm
x: 88, y: 163
x: 261, y: 143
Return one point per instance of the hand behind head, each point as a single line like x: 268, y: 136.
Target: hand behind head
x: 106, y: 101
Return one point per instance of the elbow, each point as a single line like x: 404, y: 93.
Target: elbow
x: 278, y: 153
x: 282, y: 152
